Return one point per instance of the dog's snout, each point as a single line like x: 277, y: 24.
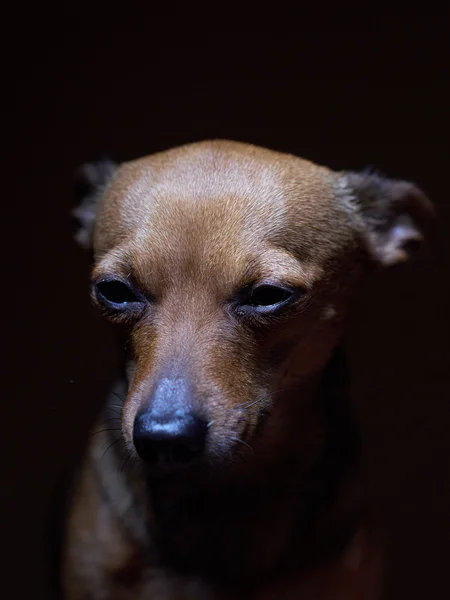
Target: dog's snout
x: 168, y: 441
x: 169, y: 433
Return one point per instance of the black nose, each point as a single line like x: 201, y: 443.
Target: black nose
x: 169, y: 440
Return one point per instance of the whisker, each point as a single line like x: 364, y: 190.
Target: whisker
x: 235, y: 439
x: 107, y: 429
x: 119, y: 470
x: 121, y: 398
x: 114, y: 410
x: 124, y: 461
x: 130, y: 460
x: 242, y: 458
x: 210, y: 423
x: 107, y: 440
x: 245, y: 406
x: 266, y: 397
x: 110, y: 446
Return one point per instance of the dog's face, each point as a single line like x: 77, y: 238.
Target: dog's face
x: 230, y: 268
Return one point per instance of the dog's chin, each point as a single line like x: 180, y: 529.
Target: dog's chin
x: 161, y: 472
x: 213, y: 466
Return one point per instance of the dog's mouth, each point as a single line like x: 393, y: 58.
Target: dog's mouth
x: 173, y: 458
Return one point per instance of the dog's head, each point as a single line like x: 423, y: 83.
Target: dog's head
x: 231, y: 267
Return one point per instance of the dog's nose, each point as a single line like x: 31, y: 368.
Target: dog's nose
x: 169, y: 440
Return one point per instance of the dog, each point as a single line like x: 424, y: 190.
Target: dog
x: 226, y: 464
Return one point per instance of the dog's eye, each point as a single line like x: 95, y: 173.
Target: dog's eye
x: 115, y: 292
x: 268, y: 295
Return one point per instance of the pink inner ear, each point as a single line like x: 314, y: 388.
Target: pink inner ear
x: 401, y: 242
x: 404, y: 233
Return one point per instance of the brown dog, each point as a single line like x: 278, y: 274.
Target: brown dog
x: 227, y: 465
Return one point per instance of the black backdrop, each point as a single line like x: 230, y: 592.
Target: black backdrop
x: 91, y: 80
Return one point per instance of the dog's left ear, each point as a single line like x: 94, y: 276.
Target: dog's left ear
x: 395, y: 216
x: 90, y: 182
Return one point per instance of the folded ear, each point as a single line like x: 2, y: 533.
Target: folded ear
x: 90, y: 182
x: 394, y: 216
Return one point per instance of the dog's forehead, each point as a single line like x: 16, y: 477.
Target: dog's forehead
x: 217, y: 203
x: 225, y: 181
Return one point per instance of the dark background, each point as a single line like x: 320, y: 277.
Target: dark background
x: 90, y: 80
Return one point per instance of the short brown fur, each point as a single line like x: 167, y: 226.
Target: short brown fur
x: 277, y: 509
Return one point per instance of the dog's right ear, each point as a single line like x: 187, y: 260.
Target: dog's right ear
x: 90, y: 182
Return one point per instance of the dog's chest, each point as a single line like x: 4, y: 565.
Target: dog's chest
x: 353, y: 576
x: 348, y: 575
